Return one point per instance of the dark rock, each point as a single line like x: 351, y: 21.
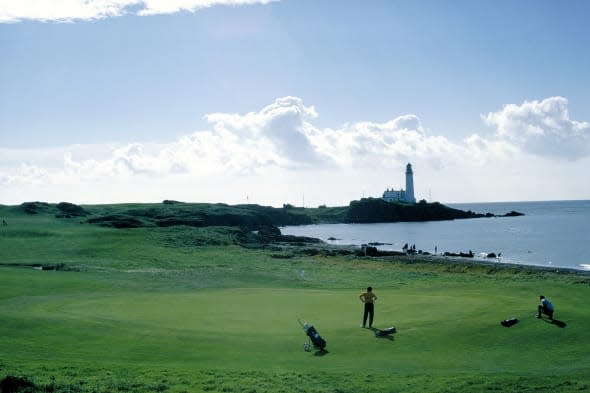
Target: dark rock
x: 370, y: 210
x: 513, y: 214
x: 298, y: 239
x: 370, y: 251
x: 460, y: 254
x: 170, y: 202
x: 268, y: 233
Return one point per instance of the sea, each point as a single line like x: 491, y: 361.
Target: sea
x: 550, y: 234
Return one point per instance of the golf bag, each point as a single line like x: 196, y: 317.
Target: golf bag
x: 314, y: 336
x: 385, y: 332
x: 509, y: 322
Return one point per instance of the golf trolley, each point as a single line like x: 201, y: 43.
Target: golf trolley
x: 314, y: 337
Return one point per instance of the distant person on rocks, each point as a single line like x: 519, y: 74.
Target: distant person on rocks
x: 368, y: 298
x: 546, y: 307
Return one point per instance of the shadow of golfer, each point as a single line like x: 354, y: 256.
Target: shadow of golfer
x: 555, y: 322
x: 559, y: 323
x: 321, y: 352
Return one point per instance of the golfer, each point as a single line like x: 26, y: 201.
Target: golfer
x: 368, y: 298
x: 546, y: 307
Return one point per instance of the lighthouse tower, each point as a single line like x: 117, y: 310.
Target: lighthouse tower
x: 410, y: 184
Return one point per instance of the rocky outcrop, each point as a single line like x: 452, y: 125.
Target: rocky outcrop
x: 371, y: 210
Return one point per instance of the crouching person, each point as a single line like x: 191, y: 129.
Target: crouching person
x: 546, y: 307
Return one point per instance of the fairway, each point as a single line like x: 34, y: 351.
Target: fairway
x: 145, y: 310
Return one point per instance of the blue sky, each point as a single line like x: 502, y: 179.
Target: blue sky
x: 302, y: 102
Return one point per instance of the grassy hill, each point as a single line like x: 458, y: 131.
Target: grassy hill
x: 188, y: 309
x: 173, y: 213
x: 169, y: 213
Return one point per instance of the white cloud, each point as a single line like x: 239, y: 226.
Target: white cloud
x: 281, y: 128
x: 278, y: 155
x: 71, y: 10
x: 542, y: 128
x: 369, y: 144
x: 153, y: 7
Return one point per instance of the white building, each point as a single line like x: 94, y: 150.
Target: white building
x: 401, y: 195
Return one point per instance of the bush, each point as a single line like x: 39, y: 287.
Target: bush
x: 12, y: 384
x: 71, y: 210
x: 35, y: 207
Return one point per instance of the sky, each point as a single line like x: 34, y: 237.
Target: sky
x: 293, y: 101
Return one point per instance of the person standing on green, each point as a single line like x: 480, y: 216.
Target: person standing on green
x: 368, y: 298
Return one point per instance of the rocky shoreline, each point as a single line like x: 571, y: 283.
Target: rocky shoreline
x: 288, y: 246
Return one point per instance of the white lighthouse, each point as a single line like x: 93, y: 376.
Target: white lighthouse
x: 410, y: 184
x: 407, y: 195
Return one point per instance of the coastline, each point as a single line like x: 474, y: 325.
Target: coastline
x: 551, y: 234
x: 254, y: 225
x: 450, y: 262
x: 442, y: 259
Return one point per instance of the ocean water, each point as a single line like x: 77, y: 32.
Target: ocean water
x: 551, y: 233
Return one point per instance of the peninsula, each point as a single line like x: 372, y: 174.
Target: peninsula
x: 173, y: 213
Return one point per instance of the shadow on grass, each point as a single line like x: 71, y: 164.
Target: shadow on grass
x: 556, y: 322
x: 321, y: 352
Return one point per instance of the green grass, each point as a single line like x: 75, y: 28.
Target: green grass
x: 183, y: 309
